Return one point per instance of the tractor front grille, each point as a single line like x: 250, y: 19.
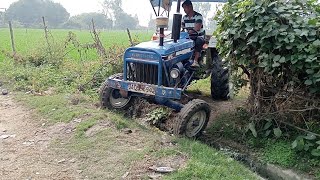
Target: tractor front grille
x: 145, y: 73
x: 139, y: 72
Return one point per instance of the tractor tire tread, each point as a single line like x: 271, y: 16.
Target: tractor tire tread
x: 186, y: 113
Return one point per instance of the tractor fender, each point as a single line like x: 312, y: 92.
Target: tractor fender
x: 212, y: 42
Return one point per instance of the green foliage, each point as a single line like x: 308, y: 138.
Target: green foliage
x: 55, y: 107
x: 84, y: 126
x: 318, y: 175
x: 206, y: 163
x: 84, y: 21
x: 158, y: 115
x: 29, y: 12
x: 123, y: 20
x: 232, y: 125
x: 281, y: 37
x: 252, y: 128
x: 308, y: 143
x: 52, y: 55
x: 264, y: 128
x: 280, y: 153
x: 27, y: 40
x: 66, y: 65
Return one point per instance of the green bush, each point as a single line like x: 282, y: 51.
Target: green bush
x: 280, y: 37
x: 52, y: 55
x: 280, y: 153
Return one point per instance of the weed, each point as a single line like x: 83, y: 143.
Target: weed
x: 157, y: 116
x: 280, y: 152
x: 201, y: 86
x: 84, y: 126
x: 318, y: 175
x: 231, y: 125
x: 207, y: 163
x: 54, y: 107
x: 256, y: 142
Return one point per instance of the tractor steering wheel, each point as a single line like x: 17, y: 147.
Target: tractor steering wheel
x: 193, y: 34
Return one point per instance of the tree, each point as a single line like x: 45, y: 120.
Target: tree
x: 29, y: 12
x: 1, y: 19
x: 152, y: 23
x: 55, y: 13
x: 84, y: 20
x: 124, y: 20
x: 113, y: 10
x: 110, y: 7
x: 73, y: 24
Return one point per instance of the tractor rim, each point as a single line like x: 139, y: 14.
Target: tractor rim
x: 117, y: 101
x: 196, y: 123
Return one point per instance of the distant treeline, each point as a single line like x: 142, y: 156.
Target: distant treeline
x: 29, y: 13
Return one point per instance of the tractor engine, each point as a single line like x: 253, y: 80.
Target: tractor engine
x: 159, y: 65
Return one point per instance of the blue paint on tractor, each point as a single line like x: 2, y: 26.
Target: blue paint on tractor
x: 169, y: 46
x: 169, y: 103
x: 147, y: 69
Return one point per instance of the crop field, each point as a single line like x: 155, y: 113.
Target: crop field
x: 28, y: 39
x: 69, y: 49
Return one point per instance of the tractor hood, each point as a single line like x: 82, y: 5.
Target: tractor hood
x: 169, y: 47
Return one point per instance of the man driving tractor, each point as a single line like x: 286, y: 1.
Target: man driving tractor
x: 193, y: 23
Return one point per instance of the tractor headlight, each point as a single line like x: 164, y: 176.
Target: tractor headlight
x: 174, y: 73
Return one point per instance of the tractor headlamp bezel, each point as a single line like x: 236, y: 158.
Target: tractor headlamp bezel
x: 175, y: 73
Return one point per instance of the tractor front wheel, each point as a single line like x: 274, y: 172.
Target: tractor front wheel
x: 111, y: 98
x: 192, y: 119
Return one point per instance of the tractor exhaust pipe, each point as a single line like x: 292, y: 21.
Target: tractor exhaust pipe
x: 161, y: 36
x: 176, y: 27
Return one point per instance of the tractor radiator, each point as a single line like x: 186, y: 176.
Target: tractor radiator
x: 145, y: 73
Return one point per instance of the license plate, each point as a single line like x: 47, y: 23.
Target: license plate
x: 141, y: 88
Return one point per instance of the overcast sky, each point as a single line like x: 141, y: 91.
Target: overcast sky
x: 140, y: 7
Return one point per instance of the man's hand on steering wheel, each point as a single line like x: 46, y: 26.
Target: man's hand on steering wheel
x: 192, y: 32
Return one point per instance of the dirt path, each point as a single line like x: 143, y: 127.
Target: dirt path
x: 25, y: 147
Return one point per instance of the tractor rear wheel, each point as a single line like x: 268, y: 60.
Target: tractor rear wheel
x: 192, y: 119
x: 111, y: 98
x: 219, y: 79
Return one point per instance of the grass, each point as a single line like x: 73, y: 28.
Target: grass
x: 233, y: 127
x: 280, y: 153
x: 28, y: 39
x: 55, y: 107
x: 207, y: 163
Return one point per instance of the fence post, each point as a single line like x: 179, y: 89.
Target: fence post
x: 45, y: 30
x: 12, y: 39
x: 130, y: 38
x: 46, y: 35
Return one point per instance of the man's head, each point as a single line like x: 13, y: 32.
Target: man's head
x: 187, y: 6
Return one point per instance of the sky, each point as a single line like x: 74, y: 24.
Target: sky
x: 140, y: 7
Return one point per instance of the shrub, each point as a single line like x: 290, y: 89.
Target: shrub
x: 277, y: 43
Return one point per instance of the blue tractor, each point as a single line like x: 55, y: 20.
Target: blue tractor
x: 161, y: 70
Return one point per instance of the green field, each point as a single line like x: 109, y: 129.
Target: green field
x: 28, y: 39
